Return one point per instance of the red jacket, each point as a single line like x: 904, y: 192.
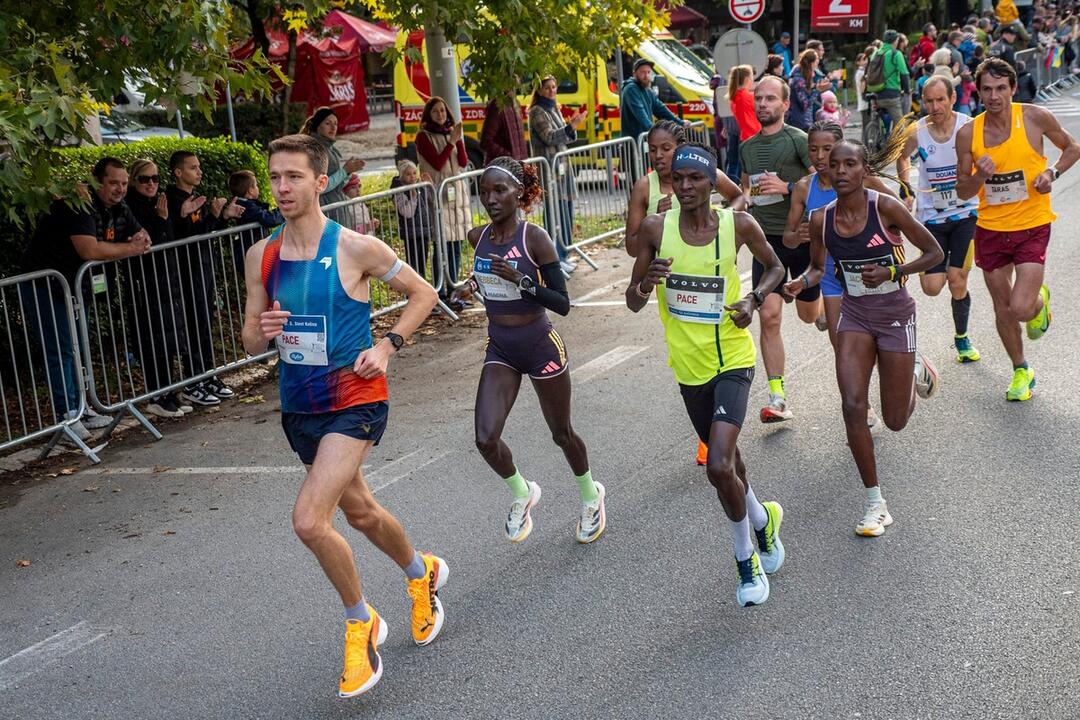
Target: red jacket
x: 742, y: 107
x: 503, y: 133
x: 923, y: 49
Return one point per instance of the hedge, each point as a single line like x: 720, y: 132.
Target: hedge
x: 218, y: 158
x: 255, y: 122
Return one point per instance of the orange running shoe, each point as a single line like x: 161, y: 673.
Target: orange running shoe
x: 363, y: 666
x: 427, y: 611
x: 702, y: 453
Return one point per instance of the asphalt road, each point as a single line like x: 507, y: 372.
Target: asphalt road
x: 167, y: 581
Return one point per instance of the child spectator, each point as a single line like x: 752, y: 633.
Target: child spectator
x: 831, y: 111
x: 245, y: 188
x: 414, y: 215
x: 365, y: 224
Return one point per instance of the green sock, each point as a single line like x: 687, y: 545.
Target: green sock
x: 587, y: 486
x: 518, y: 486
x: 776, y: 385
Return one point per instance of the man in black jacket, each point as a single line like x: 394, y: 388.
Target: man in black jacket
x: 192, y: 214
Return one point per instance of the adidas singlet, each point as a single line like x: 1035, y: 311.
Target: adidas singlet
x: 873, y: 244
x: 325, y: 333
x: 702, y: 340
x: 502, y: 297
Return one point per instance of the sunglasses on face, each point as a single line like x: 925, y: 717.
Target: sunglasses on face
x: 149, y: 179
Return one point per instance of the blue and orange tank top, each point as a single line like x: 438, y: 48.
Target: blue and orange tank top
x: 325, y: 333
x: 873, y: 244
x: 502, y: 297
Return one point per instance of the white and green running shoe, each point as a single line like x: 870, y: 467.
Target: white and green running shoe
x: 771, y: 550
x: 519, y: 522
x: 965, y: 351
x: 753, y: 582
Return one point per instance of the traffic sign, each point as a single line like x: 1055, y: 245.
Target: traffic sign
x: 840, y: 16
x: 746, y: 11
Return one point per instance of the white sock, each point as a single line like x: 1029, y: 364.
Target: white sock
x: 744, y: 546
x: 873, y: 495
x: 755, y: 510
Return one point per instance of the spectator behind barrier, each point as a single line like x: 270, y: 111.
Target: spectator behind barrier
x: 782, y: 49
x: 64, y: 239
x: 503, y: 133
x: 803, y: 94
x: 638, y: 104
x: 414, y: 208
x: 323, y: 126
x: 244, y: 186
x: 774, y: 65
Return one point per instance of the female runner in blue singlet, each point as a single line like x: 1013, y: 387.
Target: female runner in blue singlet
x: 517, y: 273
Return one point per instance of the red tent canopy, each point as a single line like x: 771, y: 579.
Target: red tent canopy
x: 682, y: 17
x: 328, y: 72
x: 370, y: 37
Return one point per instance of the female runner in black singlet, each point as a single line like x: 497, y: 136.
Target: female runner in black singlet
x: 516, y: 272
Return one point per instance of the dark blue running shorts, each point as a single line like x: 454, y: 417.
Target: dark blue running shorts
x: 305, y: 430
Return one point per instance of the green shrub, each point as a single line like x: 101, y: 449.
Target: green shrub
x: 218, y: 158
x: 255, y: 122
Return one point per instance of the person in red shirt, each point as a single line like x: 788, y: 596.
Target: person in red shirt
x: 926, y: 45
x: 503, y: 132
x: 740, y: 92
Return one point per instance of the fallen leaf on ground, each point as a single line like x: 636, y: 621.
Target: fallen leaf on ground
x: 169, y: 532
x: 160, y: 468
x: 130, y: 535
x: 68, y: 471
x: 116, y: 489
x: 90, y: 488
x: 252, y: 399
x: 22, y: 563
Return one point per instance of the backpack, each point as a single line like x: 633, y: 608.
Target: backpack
x: 875, y: 73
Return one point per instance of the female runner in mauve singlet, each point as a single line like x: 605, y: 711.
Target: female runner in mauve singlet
x: 862, y: 229
x: 517, y: 273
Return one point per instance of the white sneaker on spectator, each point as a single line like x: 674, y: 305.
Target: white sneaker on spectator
x: 95, y: 421
x: 164, y: 406
x: 199, y: 395
x: 77, y: 427
x: 218, y: 388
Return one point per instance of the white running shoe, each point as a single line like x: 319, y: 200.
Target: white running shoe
x: 593, y: 518
x: 753, y: 582
x: 877, y: 425
x: 776, y: 410
x: 93, y: 421
x: 519, y: 522
x: 874, y: 522
x: 927, y: 380
x: 77, y: 427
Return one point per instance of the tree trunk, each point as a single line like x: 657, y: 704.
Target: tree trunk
x: 877, y: 19
x: 286, y: 93
x: 258, y: 28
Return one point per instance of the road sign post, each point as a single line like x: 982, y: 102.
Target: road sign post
x: 746, y: 11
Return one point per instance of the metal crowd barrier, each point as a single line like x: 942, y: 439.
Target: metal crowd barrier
x: 602, y: 176
x: 41, y: 381
x: 459, y: 209
x: 408, y: 219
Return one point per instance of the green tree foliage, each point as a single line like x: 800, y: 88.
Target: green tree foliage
x: 65, y: 60
x: 512, y: 40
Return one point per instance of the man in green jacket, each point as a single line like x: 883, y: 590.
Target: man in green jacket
x: 639, y: 104
x: 897, y: 78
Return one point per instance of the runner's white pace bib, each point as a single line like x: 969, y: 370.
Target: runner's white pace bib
x: 695, y: 298
x: 493, y: 287
x: 852, y: 270
x: 303, y: 341
x: 1004, y: 188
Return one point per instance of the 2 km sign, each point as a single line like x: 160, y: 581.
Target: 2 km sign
x: 840, y: 15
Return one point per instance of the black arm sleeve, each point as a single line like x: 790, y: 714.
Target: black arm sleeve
x: 552, y: 295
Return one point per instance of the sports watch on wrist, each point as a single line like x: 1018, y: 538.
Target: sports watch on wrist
x: 759, y: 298
x: 527, y: 284
x: 396, y: 340
x: 1057, y: 173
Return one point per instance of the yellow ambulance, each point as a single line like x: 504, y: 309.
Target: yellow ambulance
x: 681, y: 79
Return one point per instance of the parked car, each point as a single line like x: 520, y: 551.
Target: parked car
x: 120, y: 128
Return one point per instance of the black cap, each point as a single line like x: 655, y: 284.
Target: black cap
x: 643, y: 61
x: 1007, y: 29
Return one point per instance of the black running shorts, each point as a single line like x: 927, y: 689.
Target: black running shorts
x: 722, y: 399
x: 795, y: 262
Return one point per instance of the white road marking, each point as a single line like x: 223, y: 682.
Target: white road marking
x: 224, y: 470
x: 401, y: 476
x: 609, y: 303
x: 34, y: 658
x: 599, y: 365
x: 593, y: 293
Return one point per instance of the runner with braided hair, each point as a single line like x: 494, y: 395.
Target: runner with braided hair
x: 517, y: 273
x: 862, y: 229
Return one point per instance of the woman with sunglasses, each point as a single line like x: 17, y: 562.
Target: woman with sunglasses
x: 154, y: 282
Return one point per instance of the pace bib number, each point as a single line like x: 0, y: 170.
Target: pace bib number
x: 493, y: 287
x: 303, y: 341
x: 759, y: 198
x: 853, y: 281
x: 695, y: 298
x: 1005, y: 188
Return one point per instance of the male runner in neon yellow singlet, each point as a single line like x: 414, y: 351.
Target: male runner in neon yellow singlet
x: 689, y: 253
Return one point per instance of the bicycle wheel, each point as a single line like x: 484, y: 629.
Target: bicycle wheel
x: 875, y: 134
